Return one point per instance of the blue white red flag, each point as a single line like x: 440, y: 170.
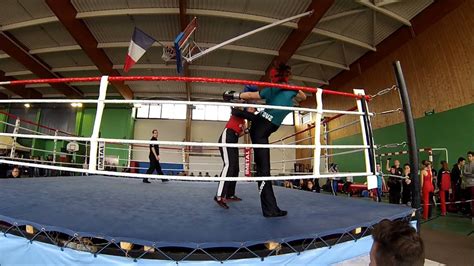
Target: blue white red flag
x: 138, y: 45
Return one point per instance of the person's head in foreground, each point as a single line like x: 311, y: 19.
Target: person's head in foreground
x: 396, y: 243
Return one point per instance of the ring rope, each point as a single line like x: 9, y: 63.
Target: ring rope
x: 113, y: 79
x: 182, y: 143
x: 188, y: 178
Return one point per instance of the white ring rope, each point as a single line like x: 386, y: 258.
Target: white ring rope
x: 275, y: 107
x: 188, y: 178
x: 343, y: 126
x: 182, y: 143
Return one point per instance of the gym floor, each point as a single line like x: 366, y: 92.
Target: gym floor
x: 449, y: 240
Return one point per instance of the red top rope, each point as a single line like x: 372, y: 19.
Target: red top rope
x: 189, y: 79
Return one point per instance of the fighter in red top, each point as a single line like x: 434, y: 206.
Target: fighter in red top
x: 234, y: 128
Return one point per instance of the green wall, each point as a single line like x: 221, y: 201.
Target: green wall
x: 453, y: 129
x: 3, y: 118
x: 117, y: 123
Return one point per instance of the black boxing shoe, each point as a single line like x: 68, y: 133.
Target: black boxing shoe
x: 145, y: 180
x: 233, y: 198
x: 221, y: 203
x: 276, y: 214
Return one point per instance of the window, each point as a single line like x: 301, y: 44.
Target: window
x: 306, y: 118
x: 288, y: 121
x: 155, y: 111
x: 142, y: 111
x: 165, y: 111
x: 200, y: 112
x: 211, y: 113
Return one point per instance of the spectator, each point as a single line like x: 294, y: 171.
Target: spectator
x: 396, y: 165
x: 334, y: 180
x: 394, y: 186
x: 192, y: 174
x: 444, y: 184
x: 207, y: 174
x: 301, y: 184
x: 16, y: 173
x: 380, y: 183
x: 310, y: 186
x: 456, y: 179
x: 347, y: 185
x: 396, y: 243
x: 200, y: 174
x: 287, y: 184
x: 3, y: 170
x: 469, y: 179
x: 406, y: 185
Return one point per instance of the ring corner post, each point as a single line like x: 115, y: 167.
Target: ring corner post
x: 411, y: 140
x: 104, y: 82
x: 317, y: 134
x: 367, y: 138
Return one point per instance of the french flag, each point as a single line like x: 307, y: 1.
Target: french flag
x: 138, y: 45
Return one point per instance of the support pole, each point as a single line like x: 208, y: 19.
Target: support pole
x: 217, y: 46
x: 411, y: 140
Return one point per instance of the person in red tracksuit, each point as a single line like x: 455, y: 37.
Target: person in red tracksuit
x: 234, y: 128
x: 444, y: 184
x: 427, y: 188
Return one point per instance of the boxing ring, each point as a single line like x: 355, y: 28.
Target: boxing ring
x: 110, y: 217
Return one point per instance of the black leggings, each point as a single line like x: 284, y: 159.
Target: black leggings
x: 259, y: 133
x: 230, y: 157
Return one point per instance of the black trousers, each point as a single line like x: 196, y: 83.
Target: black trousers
x: 259, y: 133
x: 394, y: 197
x: 406, y: 196
x: 154, y: 165
x: 230, y: 158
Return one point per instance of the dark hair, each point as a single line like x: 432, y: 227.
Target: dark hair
x: 470, y: 152
x: 443, y: 162
x: 460, y: 159
x: 397, y: 244
x: 280, y: 73
x: 407, y: 164
x: 153, y: 131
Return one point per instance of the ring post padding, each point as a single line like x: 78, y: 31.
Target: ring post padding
x: 98, y: 119
x: 371, y: 179
x: 15, y: 131
x: 101, y: 156
x: 317, y: 133
x: 129, y: 159
x: 55, y: 141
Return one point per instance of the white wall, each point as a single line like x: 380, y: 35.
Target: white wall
x: 203, y: 131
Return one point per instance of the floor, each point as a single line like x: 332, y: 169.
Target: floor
x: 449, y: 240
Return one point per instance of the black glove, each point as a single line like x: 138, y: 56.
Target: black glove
x: 231, y: 95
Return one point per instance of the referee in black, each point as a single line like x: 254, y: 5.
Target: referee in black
x: 154, y: 157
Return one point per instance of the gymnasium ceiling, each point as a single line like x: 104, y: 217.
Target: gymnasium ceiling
x: 78, y: 38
